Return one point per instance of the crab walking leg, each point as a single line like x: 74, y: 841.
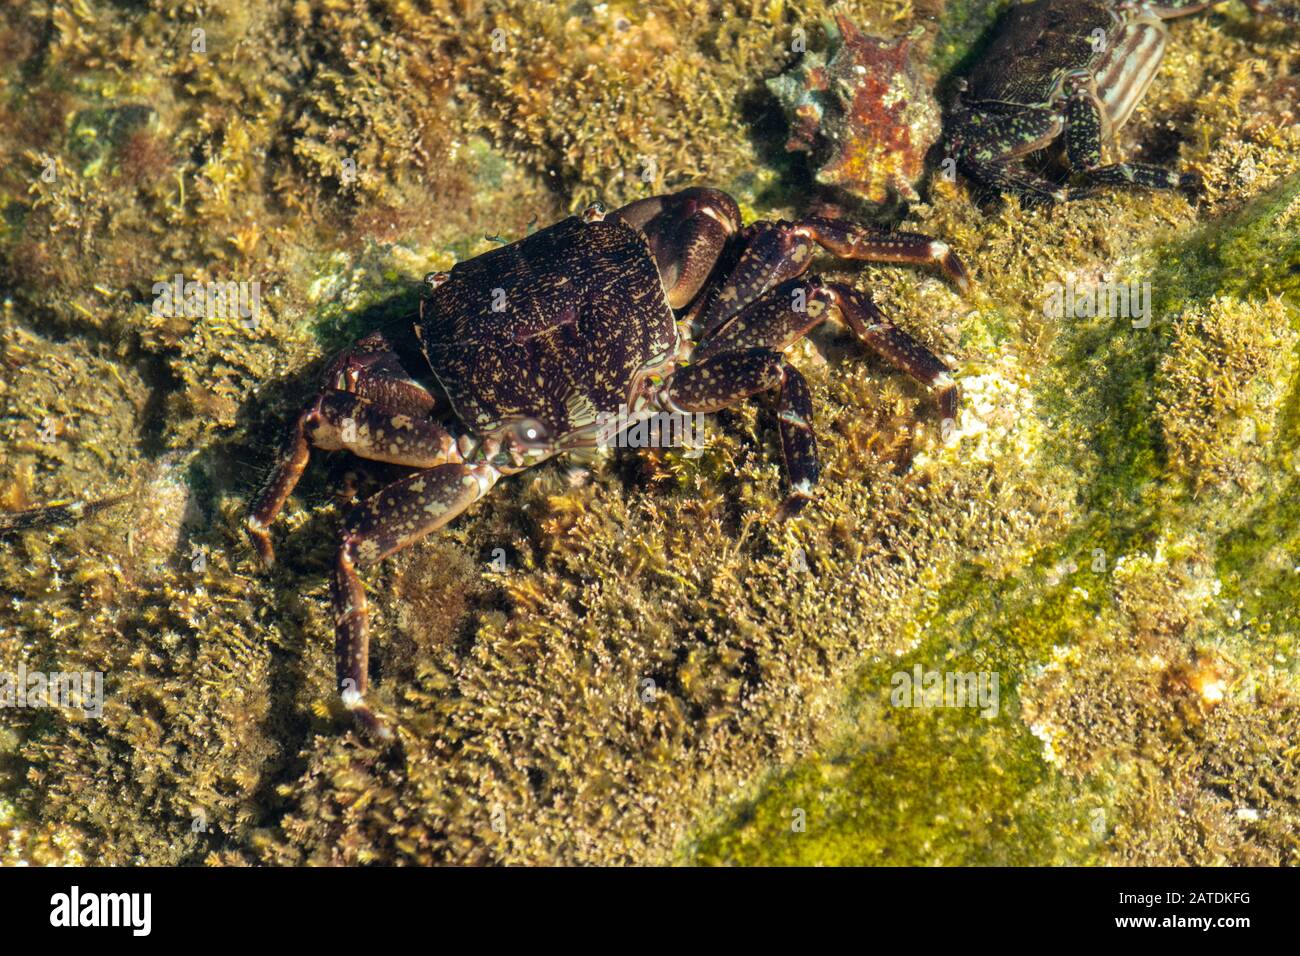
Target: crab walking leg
x: 389, y: 520
x: 779, y: 251
x: 730, y: 377
x: 991, y: 152
x: 774, y: 321
x: 798, y: 443
x: 773, y: 253
x: 371, y: 373
x: 1012, y: 177
x: 902, y: 350
x: 289, y: 466
x: 377, y: 433
x: 851, y: 240
x: 1083, y: 137
x: 794, y: 308
x: 342, y: 420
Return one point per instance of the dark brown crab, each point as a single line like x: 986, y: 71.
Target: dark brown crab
x: 1076, y: 68
x: 529, y: 344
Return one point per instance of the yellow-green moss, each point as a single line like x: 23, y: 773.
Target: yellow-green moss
x: 522, y: 695
x: 1220, y: 384
x: 1119, y: 646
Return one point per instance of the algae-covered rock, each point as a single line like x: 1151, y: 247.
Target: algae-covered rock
x: 632, y: 661
x: 1222, y: 384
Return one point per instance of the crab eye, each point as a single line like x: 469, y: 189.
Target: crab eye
x: 530, y: 432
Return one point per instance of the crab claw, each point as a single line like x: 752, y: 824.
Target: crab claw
x: 686, y: 231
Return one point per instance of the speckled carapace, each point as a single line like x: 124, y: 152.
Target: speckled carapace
x: 669, y: 305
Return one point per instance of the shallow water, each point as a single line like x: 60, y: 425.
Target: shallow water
x: 631, y: 660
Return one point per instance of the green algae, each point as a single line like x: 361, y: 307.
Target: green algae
x: 920, y: 787
x: 914, y: 799
x: 521, y: 694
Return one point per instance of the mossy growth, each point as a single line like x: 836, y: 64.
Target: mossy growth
x: 1121, y: 646
x: 657, y: 644
x: 1220, y: 386
x: 911, y: 786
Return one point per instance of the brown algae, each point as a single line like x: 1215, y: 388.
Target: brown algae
x: 658, y: 671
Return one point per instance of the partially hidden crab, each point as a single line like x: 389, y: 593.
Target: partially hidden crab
x: 516, y: 354
x: 1074, y: 69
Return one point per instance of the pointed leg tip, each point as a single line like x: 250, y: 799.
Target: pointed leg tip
x: 949, y: 406
x: 794, y: 503
x: 371, y: 725
x: 261, y: 540
x: 955, y: 269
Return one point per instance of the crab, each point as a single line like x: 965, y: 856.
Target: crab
x: 1072, y: 68
x: 667, y: 305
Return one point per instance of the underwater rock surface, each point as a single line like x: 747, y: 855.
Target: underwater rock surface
x: 1112, y: 528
